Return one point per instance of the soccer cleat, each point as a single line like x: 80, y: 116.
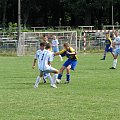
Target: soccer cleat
x: 36, y: 86
x: 102, y: 59
x: 58, y: 81
x: 54, y: 86
x: 66, y: 82
x: 44, y: 80
x: 112, y: 68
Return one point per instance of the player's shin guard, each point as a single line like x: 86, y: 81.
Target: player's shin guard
x: 68, y: 77
x: 55, y: 77
x: 114, y: 63
x: 37, y: 81
x: 50, y: 78
x: 59, y: 76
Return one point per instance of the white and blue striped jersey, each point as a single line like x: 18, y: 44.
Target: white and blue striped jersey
x: 43, y: 57
x: 55, y: 42
x: 117, y: 42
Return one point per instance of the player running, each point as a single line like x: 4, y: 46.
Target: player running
x: 44, y: 58
x: 108, y: 46
x: 116, y: 45
x: 70, y: 63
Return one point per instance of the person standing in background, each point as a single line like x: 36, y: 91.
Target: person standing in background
x: 55, y: 47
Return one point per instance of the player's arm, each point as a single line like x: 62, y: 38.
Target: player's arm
x: 34, y: 63
x: 57, y: 53
x: 71, y: 53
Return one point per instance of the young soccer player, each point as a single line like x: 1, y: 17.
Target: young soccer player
x: 108, y: 46
x: 70, y: 63
x: 55, y: 47
x: 44, y: 58
x: 116, y: 45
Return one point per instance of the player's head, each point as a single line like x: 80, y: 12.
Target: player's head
x: 42, y: 45
x: 54, y: 37
x: 45, y: 38
x: 66, y: 46
x: 116, y: 33
x: 107, y: 34
x: 48, y: 46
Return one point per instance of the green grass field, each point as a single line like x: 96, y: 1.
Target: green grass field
x: 93, y: 94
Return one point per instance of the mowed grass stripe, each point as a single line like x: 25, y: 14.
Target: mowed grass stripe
x: 93, y: 94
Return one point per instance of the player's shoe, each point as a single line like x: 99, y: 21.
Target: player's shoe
x: 112, y: 68
x: 44, y: 80
x: 102, y: 59
x: 54, y: 86
x: 66, y: 82
x: 36, y: 86
x: 58, y: 81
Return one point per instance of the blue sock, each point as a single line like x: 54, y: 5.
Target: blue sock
x: 59, y: 76
x: 68, y: 77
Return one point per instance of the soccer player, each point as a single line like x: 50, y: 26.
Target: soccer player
x: 44, y: 58
x: 55, y: 47
x: 45, y: 40
x: 70, y: 63
x: 116, y: 45
x: 108, y: 46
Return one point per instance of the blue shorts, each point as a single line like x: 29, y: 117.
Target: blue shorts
x: 108, y: 48
x: 73, y: 63
x: 55, y: 49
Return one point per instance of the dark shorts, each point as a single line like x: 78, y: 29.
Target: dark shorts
x: 108, y: 49
x: 73, y: 63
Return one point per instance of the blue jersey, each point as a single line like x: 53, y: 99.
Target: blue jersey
x: 108, y: 41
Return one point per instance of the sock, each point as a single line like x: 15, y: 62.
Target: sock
x: 114, y: 63
x: 60, y: 57
x: 50, y: 78
x: 59, y: 76
x: 55, y: 77
x: 68, y: 77
x: 37, y: 80
x: 104, y: 57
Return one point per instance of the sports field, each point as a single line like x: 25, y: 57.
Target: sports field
x: 93, y: 94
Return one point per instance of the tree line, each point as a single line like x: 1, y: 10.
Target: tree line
x: 60, y: 12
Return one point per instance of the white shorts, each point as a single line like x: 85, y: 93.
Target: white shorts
x: 49, y: 70
x: 117, y: 51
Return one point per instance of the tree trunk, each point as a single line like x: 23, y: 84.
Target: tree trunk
x: 4, y: 13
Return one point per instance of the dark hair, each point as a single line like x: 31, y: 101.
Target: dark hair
x: 42, y: 44
x: 66, y: 44
x: 48, y: 46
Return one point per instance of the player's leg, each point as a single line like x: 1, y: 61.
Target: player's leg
x: 117, y: 52
x: 72, y: 66
x: 104, y: 55
x: 52, y: 81
x: 68, y: 73
x: 61, y: 59
x: 58, y: 80
x: 45, y: 75
x: 38, y: 79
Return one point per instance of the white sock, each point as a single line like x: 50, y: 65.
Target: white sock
x: 37, y: 80
x: 114, y: 63
x: 55, y: 77
x: 50, y: 78
x: 61, y: 58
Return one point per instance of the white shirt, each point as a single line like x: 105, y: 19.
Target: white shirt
x: 43, y: 57
x: 117, y: 42
x: 55, y: 42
